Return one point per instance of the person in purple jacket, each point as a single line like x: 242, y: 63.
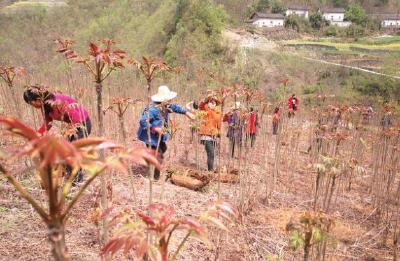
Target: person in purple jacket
x: 60, y: 107
x: 235, y: 128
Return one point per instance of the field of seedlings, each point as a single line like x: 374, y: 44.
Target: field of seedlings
x: 204, y: 145
x: 325, y: 184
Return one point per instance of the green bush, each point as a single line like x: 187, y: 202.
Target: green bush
x: 292, y: 21
x: 355, y: 31
x: 278, y: 7
x: 356, y: 14
x: 310, y: 89
x: 332, y: 30
x: 297, y: 23
x: 317, y: 21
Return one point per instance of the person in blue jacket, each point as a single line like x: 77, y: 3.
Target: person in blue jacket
x: 159, y: 116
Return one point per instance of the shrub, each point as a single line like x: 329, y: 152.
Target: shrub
x: 355, y: 31
x: 292, y: 21
x: 278, y: 7
x: 356, y: 14
x: 317, y: 21
x: 331, y: 30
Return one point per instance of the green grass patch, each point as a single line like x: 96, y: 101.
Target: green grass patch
x: 24, y: 4
x: 344, y: 46
x: 380, y: 40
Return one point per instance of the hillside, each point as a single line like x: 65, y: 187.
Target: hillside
x: 314, y: 180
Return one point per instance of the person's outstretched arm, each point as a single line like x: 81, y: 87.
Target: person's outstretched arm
x: 178, y: 109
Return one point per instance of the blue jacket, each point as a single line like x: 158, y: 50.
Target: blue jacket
x: 156, y: 120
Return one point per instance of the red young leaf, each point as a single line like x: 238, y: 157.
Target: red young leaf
x: 146, y: 218
x: 16, y: 127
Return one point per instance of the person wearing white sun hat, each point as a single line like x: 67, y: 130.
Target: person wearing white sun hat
x: 158, y: 120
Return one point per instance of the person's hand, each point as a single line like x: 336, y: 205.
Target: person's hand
x: 158, y: 130
x: 190, y: 115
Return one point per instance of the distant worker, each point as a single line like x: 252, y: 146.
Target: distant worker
x: 159, y: 119
x: 252, y: 126
x: 235, y: 127
x: 293, y: 104
x: 276, y: 118
x: 386, y: 121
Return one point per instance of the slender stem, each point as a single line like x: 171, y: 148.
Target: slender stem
x: 81, y: 190
x: 181, y: 245
x: 170, y: 233
x: 39, y: 209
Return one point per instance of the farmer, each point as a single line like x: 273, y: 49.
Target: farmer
x: 387, y: 118
x: 276, y: 118
x: 158, y: 121
x: 209, y: 128
x: 252, y: 126
x: 235, y: 127
x: 293, y: 104
x: 59, y: 107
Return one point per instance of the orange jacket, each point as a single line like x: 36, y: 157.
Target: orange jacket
x: 211, y: 122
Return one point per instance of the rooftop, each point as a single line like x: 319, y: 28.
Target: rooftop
x: 269, y: 16
x: 297, y: 7
x: 333, y: 10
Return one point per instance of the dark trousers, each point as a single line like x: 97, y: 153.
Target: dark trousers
x: 252, y: 139
x: 235, y: 142
x: 209, y: 145
x: 81, y: 132
x: 274, y: 128
x: 161, y: 150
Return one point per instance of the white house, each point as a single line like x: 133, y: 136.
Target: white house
x: 267, y: 20
x: 298, y: 10
x: 390, y: 21
x: 335, y: 16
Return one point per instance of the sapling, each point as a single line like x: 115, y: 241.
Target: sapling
x: 120, y: 105
x: 132, y: 228
x: 8, y: 74
x: 51, y: 154
x: 311, y: 229
x: 102, y: 60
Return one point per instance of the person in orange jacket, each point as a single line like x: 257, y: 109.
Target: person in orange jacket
x: 210, y: 128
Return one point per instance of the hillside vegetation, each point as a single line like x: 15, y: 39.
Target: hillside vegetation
x: 183, y: 32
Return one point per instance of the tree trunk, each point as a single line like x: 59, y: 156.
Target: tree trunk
x: 16, y: 104
x: 122, y: 128
x: 277, y: 159
x: 57, y: 239
x: 104, y: 198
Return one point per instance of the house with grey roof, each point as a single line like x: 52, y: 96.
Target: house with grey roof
x: 335, y: 16
x: 298, y: 10
x: 267, y: 20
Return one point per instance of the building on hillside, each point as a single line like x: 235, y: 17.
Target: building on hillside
x: 298, y: 10
x: 267, y: 20
x: 390, y: 20
x: 335, y: 16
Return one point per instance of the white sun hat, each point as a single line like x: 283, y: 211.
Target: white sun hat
x: 236, y: 106
x: 163, y: 94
